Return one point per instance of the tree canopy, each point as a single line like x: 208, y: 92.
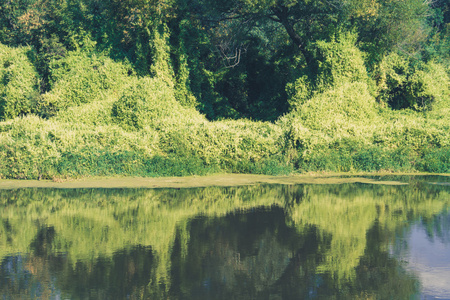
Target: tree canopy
x: 196, y: 86
x: 226, y: 53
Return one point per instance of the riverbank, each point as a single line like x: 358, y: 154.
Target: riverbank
x: 223, y: 180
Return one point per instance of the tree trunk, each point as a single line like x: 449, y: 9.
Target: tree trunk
x: 283, y: 16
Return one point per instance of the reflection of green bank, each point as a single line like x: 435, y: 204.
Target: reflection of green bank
x: 88, y: 224
x: 347, y: 214
x: 94, y: 223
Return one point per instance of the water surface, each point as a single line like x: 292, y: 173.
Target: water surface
x: 263, y: 241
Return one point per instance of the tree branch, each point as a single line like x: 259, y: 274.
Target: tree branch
x: 282, y: 14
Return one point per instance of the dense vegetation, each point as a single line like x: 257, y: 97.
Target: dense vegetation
x: 179, y: 87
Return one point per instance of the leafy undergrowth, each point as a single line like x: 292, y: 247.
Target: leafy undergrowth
x: 99, y: 119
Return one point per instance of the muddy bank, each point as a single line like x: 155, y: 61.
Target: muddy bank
x: 203, y: 181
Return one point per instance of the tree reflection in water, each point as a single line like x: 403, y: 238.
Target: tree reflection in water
x: 254, y: 242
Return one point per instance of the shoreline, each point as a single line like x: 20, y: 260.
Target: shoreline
x: 220, y: 180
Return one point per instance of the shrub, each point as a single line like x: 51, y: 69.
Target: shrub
x: 82, y: 77
x: 436, y: 160
x: 343, y: 101
x: 391, y: 75
x: 436, y: 85
x: 338, y: 107
x: 341, y: 112
x: 402, y: 85
x: 341, y: 61
x: 299, y: 92
x: 98, y: 113
x: 150, y: 102
x: 109, y: 123
x: 19, y: 85
x: 31, y: 147
x: 25, y: 150
x: 232, y: 145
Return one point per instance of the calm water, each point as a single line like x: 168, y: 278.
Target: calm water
x: 346, y: 241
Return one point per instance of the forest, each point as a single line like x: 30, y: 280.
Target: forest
x: 195, y: 87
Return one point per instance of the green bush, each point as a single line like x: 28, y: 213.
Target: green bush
x: 335, y: 131
x: 19, y: 84
x: 232, y: 145
x: 299, y: 92
x: 82, y: 77
x: 436, y: 85
x: 151, y: 102
x: 25, y: 150
x: 344, y: 111
x: 362, y: 158
x: 107, y: 162
x: 105, y: 121
x: 421, y: 87
x: 97, y: 113
x: 435, y: 160
x: 341, y: 61
x: 31, y: 147
x: 411, y: 129
x: 177, y: 166
x: 339, y: 107
x: 343, y: 106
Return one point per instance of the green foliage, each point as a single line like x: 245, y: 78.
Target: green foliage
x: 194, y: 45
x: 183, y: 93
x: 323, y: 136
x: 386, y: 26
x: 19, y: 84
x: 340, y: 61
x: 235, y: 146
x: 32, y: 147
x: 81, y: 77
x: 430, y: 87
x: 97, y: 113
x: 350, y: 156
x: 161, y: 67
x: 342, y: 112
x: 434, y: 82
x: 420, y: 87
x: 299, y: 92
x: 436, y: 160
x: 438, y: 43
x: 123, y: 80
x: 339, y: 107
x: 150, y: 102
x: 341, y: 65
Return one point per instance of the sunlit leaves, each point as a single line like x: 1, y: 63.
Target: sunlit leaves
x: 18, y: 83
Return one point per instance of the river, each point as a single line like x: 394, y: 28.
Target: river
x: 378, y: 237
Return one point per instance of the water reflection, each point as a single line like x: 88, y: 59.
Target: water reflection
x: 425, y: 249
x: 256, y: 242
